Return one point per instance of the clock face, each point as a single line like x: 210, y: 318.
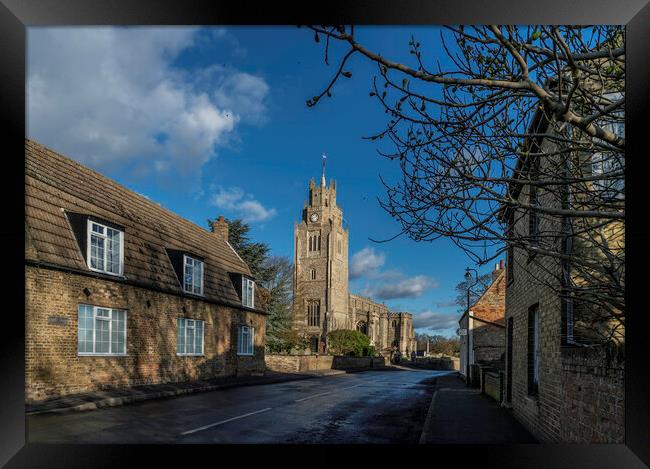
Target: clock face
x: 314, y: 217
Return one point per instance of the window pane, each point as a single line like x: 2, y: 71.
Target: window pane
x: 97, y: 252
x: 97, y: 228
x: 113, y: 251
x: 84, y: 330
x: 118, y: 332
x: 198, y: 277
x: 189, y: 345
x: 198, y: 344
x: 101, y: 336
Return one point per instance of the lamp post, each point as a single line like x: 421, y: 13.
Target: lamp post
x: 468, y: 278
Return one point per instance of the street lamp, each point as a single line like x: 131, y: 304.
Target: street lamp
x: 468, y: 278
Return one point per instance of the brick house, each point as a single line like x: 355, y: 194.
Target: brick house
x: 562, y: 390
x: 121, y: 292
x: 484, y: 341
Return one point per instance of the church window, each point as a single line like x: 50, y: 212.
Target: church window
x: 312, y: 274
x: 314, y: 241
x: 313, y: 312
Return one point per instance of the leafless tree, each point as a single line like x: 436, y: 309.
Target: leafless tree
x: 512, y: 141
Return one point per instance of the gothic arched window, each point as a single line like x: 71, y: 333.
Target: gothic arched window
x: 313, y: 313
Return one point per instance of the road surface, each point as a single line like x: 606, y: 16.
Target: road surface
x: 367, y: 407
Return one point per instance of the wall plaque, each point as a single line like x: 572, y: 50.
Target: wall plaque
x: 57, y: 320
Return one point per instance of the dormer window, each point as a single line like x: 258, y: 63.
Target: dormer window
x: 247, y: 292
x: 105, y: 249
x: 192, y: 275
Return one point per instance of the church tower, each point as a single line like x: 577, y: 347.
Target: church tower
x: 320, y: 283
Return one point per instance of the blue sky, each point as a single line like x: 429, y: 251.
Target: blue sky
x: 213, y: 121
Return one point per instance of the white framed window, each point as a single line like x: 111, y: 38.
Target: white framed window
x: 105, y: 251
x: 189, y: 336
x: 192, y: 275
x: 247, y: 292
x: 101, y: 331
x: 245, y: 340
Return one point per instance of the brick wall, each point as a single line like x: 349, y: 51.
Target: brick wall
x: 492, y: 385
x: 580, y: 393
x: 532, y: 284
x: 488, y: 343
x: 54, y: 369
x: 593, y: 408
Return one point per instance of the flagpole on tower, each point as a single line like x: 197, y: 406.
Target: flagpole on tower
x: 322, y: 181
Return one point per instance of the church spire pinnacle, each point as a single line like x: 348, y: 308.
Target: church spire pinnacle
x: 322, y: 181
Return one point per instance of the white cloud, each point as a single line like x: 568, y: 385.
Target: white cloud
x: 386, y: 284
x: 409, y: 287
x: 243, y: 205
x: 111, y: 96
x: 366, y: 262
x: 434, y: 321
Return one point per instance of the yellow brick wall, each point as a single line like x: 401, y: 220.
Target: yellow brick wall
x: 54, y: 369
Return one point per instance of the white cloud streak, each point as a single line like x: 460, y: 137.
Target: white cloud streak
x: 366, y: 262
x: 409, y: 287
x: 435, y: 321
x: 112, y: 97
x: 242, y: 205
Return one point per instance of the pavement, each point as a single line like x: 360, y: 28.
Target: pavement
x: 378, y: 406
x: 463, y: 415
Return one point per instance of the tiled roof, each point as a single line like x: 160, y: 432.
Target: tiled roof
x: 56, y: 185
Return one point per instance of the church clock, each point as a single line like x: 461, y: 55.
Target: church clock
x: 314, y: 217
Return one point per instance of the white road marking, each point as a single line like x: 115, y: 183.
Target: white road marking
x: 325, y: 393
x: 205, y: 427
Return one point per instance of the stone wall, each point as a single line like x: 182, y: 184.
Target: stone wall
x: 53, y: 367
x: 350, y: 363
x: 300, y: 363
x: 297, y: 363
x: 438, y: 363
x: 593, y: 408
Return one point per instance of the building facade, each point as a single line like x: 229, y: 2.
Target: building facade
x: 122, y: 292
x: 322, y: 301
x: 483, y: 339
x: 560, y: 388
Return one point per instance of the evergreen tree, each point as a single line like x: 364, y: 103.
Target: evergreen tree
x: 274, y: 273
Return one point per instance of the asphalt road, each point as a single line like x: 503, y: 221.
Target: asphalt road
x: 367, y: 407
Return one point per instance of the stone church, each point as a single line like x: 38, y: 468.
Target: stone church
x: 322, y: 300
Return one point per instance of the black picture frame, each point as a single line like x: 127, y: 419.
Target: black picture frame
x: 17, y: 15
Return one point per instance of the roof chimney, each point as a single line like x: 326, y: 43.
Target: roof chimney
x: 220, y: 228
x: 497, y: 270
